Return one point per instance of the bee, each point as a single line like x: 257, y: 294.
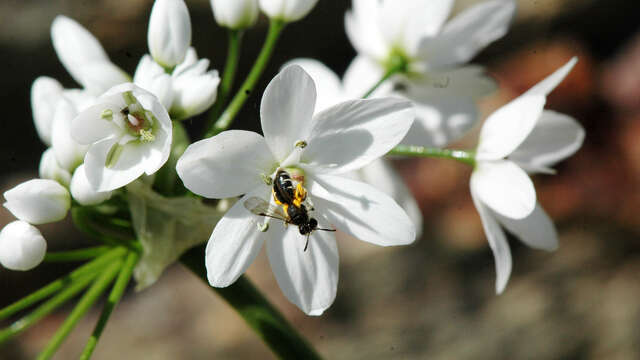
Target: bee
x: 292, y: 200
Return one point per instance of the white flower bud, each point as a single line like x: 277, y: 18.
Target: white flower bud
x: 83, y: 192
x: 152, y: 77
x: 169, y: 33
x: 68, y: 152
x: 45, y: 94
x: 22, y: 246
x: 38, y: 201
x: 50, y: 169
x: 235, y: 14
x: 194, y: 87
x: 287, y: 10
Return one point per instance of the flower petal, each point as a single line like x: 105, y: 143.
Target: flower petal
x: 508, y: 127
x: 69, y: 153
x: 169, y: 34
x: 497, y: 242
x: 363, y: 29
x: 50, y: 169
x: 471, y: 81
x: 328, y: 86
x: 45, y: 94
x: 555, y: 137
x: 128, y: 167
x: 194, y: 94
x: 235, y: 242
x: 22, y: 246
x: 504, y: 187
x: 83, y: 192
x: 351, y: 134
x: 38, y: 201
x: 90, y: 126
x: 361, y: 210
x: 226, y: 165
x: 152, y: 77
x: 287, y: 10
x: 309, y: 278
x: 536, y: 230
x: 286, y: 110
x: 98, y: 77
x: 361, y: 75
x: 547, y: 85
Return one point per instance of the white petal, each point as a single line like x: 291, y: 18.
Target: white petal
x: 504, y: 187
x: 98, y: 77
x: 68, y: 152
x: 309, y: 278
x: 508, y: 127
x: 361, y: 210
x: 128, y: 167
x: 471, y: 81
x: 38, y: 201
x: 555, y: 137
x: 194, y: 94
x: 351, y: 134
x: 169, y: 33
x: 83, y: 192
x: 235, y: 14
x: 80, y: 99
x: 536, y: 230
x: 361, y: 75
x: 226, y: 165
x: 286, y: 110
x: 547, y: 85
x: 497, y: 242
x: 152, y: 77
x: 45, y: 94
x: 22, y: 246
x: 468, y: 33
x: 328, y: 86
x: 287, y: 10
x: 50, y: 169
x: 90, y: 126
x: 363, y: 29
x: 235, y: 242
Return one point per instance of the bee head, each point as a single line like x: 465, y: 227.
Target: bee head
x: 308, y: 227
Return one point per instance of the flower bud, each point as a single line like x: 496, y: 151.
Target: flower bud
x: 83, y: 192
x: 287, y: 10
x: 235, y: 14
x: 169, y: 33
x: 194, y: 88
x: 38, y: 201
x: 68, y: 152
x: 152, y: 77
x: 50, y: 169
x: 22, y: 246
x: 45, y: 94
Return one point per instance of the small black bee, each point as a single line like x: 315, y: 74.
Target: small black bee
x: 291, y: 199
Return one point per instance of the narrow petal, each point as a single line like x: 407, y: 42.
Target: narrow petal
x: 68, y: 152
x: 226, y: 165
x: 547, y: 85
x: 363, y: 29
x: 497, y: 242
x: 38, y: 201
x: 98, y: 77
x: 309, y: 278
x: 45, y: 94
x: 22, y: 246
x: 508, y: 127
x: 362, y: 211
x: 328, y: 86
x: 235, y: 242
x: 286, y: 110
x: 128, y: 167
x: 536, y: 230
x: 555, y: 137
x: 90, y: 125
x: 351, y: 134
x: 152, y: 77
x: 504, y: 187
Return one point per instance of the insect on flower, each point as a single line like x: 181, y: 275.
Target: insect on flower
x: 292, y: 200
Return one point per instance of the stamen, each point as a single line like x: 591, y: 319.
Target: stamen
x: 133, y: 120
x: 300, y: 144
x: 263, y: 227
x: 129, y: 98
x: 146, y: 135
x: 107, y: 114
x: 267, y: 180
x: 113, y: 155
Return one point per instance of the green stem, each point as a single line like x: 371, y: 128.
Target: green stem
x: 384, y: 78
x: 76, y: 255
x: 467, y: 157
x: 112, y: 301
x: 223, y: 123
x: 256, y: 310
x: 233, y: 55
x: 87, y: 300
x: 103, y: 228
x: 90, y: 268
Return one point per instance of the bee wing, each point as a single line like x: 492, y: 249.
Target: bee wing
x: 260, y: 207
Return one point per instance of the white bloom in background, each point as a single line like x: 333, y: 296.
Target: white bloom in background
x: 235, y: 14
x: 520, y: 137
x: 50, y: 169
x: 321, y: 148
x: 69, y: 154
x: 169, y: 34
x: 22, y: 247
x: 129, y: 133
x: 414, y: 34
x: 83, y: 57
x: 38, y: 201
x: 83, y: 192
x: 46, y: 92
x: 287, y: 10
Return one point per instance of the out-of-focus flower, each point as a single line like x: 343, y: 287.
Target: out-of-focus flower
x: 169, y: 34
x: 318, y: 149
x: 45, y: 94
x: 287, y: 10
x: 83, y: 192
x: 38, y: 201
x: 520, y: 137
x: 129, y: 133
x: 69, y: 154
x: 50, y: 169
x: 235, y: 14
x: 22, y: 247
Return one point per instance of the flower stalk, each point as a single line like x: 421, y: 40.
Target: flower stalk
x: 466, y: 157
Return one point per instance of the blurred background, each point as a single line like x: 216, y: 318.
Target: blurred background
x: 434, y: 299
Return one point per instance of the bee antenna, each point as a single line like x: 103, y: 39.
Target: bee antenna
x: 326, y: 229
x: 307, y: 243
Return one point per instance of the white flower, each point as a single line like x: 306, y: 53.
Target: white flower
x: 169, y: 34
x: 287, y: 10
x: 38, y: 201
x: 129, y: 133
x: 50, y: 169
x: 46, y: 92
x: 413, y: 34
x: 83, y: 56
x: 320, y: 148
x: 520, y: 135
x: 83, y: 192
x: 69, y: 154
x: 22, y: 247
x: 235, y: 14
